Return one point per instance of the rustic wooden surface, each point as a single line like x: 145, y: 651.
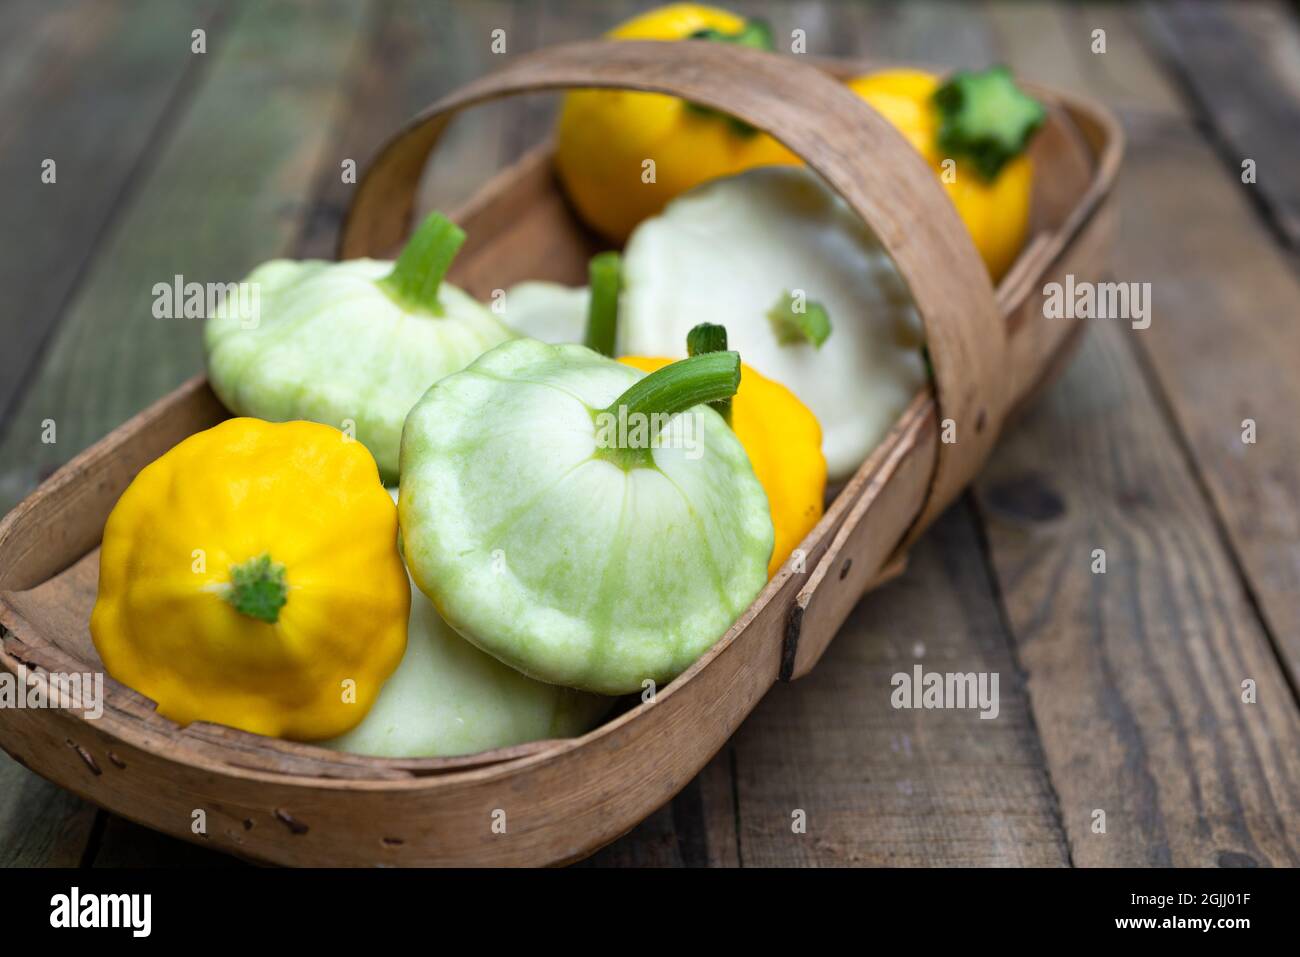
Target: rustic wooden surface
x: 1121, y: 691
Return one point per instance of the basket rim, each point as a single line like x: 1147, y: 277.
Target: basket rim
x: 135, y: 730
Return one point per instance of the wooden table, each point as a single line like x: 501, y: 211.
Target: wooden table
x: 1121, y: 692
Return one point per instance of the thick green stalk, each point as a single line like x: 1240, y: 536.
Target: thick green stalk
x: 626, y: 427
x: 420, y: 269
x: 605, y: 279
x: 705, y: 338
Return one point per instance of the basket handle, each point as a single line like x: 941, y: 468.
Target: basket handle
x: 839, y: 136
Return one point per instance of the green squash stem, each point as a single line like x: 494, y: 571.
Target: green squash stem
x: 699, y: 380
x: 258, y: 589
x: 986, y: 119
x: 810, y: 324
x: 419, y: 270
x: 605, y: 277
x: 755, y: 34
x: 705, y: 338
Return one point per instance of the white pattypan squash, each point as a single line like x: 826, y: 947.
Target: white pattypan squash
x: 806, y: 292
x: 549, y: 311
x: 448, y: 698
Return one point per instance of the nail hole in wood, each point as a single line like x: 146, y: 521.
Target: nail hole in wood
x: 86, y: 758
x: 294, y: 825
x: 844, y: 569
x: 393, y: 842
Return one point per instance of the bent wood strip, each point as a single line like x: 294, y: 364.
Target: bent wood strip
x: 895, y: 480
x: 882, y: 786
x: 568, y: 798
x: 385, y: 196
x: 583, y: 783
x: 1037, y: 350
x: 62, y: 604
x: 859, y: 154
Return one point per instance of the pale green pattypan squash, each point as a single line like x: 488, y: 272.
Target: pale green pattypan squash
x: 555, y: 313
x: 806, y: 292
x: 549, y: 311
x: 351, y: 344
x: 448, y: 698
x: 586, y: 524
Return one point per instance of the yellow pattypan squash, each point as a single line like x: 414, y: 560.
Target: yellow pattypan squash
x: 981, y: 121
x: 604, y: 138
x: 250, y: 576
x: 784, y: 445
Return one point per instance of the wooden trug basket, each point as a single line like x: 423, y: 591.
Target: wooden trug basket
x: 289, y: 803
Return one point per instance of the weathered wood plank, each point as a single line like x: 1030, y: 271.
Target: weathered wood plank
x: 1218, y: 266
x: 1223, y: 346
x: 1135, y: 675
x: 417, y: 52
x: 226, y: 192
x: 1126, y: 77
x: 1059, y: 44
x: 882, y: 786
x: 479, y: 141
x: 1227, y: 295
x: 41, y: 825
x: 945, y: 33
x: 1241, y: 64
x: 1043, y: 43
x: 90, y: 87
